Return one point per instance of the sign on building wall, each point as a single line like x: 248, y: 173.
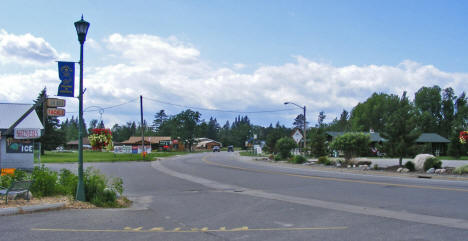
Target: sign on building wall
x: 122, y: 149
x: 19, y: 146
x: 27, y: 133
x: 164, y: 143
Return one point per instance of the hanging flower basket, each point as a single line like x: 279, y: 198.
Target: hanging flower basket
x: 463, y: 137
x: 101, y: 138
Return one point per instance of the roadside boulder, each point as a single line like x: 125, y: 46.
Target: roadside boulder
x: 420, y: 159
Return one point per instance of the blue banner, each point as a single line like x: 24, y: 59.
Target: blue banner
x: 67, y: 76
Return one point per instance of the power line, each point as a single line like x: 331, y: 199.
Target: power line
x: 105, y: 108
x: 218, y: 110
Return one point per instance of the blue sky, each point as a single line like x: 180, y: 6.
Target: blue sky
x: 328, y: 55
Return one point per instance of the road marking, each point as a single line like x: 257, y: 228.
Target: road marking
x: 192, y: 230
x: 336, y: 179
x: 379, y: 212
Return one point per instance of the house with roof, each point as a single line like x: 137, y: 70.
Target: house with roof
x: 19, y: 128
x: 438, y: 144
x: 206, y: 144
x: 150, y: 142
x: 73, y: 145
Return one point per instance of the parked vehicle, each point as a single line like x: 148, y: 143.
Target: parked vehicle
x: 216, y: 149
x: 230, y: 149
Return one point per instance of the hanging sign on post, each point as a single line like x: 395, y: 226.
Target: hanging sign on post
x: 67, y: 76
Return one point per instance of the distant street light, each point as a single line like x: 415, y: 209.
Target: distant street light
x: 81, y: 29
x: 305, y: 123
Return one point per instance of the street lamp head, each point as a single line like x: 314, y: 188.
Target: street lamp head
x: 81, y: 29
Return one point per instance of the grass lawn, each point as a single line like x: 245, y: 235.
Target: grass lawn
x: 249, y: 153
x: 93, y: 156
x: 452, y: 158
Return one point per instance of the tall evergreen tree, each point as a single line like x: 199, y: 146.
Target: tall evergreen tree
x: 52, y: 136
x: 401, y: 128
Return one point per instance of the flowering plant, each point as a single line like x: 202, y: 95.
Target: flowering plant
x: 463, y: 137
x: 101, y: 138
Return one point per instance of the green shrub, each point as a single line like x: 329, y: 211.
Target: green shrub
x: 410, y: 166
x: 278, y: 157
x: 116, y: 185
x: 461, y: 170
x: 68, y: 182
x: 376, y: 167
x: 45, y: 182
x: 284, y: 146
x: 351, y: 143
x: 19, y: 175
x: 432, y: 163
x: 5, y: 181
x: 298, y: 159
x: 97, y: 191
x: 325, y: 161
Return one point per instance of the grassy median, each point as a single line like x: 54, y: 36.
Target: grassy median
x: 95, y: 156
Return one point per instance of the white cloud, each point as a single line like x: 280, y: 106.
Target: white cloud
x: 238, y: 66
x: 172, y: 71
x: 26, y: 49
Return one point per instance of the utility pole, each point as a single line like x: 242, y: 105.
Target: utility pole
x: 142, y: 127
x: 305, y: 131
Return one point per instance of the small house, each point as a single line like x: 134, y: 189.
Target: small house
x: 19, y: 128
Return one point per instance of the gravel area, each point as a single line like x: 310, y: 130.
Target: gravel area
x: 69, y: 203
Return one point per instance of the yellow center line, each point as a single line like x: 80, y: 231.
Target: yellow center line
x: 336, y: 179
x: 195, y: 230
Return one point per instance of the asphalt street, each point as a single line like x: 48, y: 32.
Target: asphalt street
x: 217, y: 196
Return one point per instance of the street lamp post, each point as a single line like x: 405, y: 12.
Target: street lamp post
x: 81, y: 29
x: 305, y: 123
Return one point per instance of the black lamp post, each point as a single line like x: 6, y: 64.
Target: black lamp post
x: 305, y: 123
x: 81, y: 29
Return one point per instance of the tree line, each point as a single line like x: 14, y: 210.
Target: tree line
x: 396, y: 118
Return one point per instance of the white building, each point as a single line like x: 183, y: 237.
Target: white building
x: 17, y: 147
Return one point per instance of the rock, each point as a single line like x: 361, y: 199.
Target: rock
x: 405, y: 170
x: 431, y: 170
x: 364, y: 167
x: 441, y: 171
x: 25, y: 195
x: 399, y: 169
x: 420, y: 159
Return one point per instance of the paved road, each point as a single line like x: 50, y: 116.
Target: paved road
x: 215, y: 196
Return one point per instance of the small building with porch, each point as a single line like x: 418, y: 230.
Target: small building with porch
x: 153, y: 142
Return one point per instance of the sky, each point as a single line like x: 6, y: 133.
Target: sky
x: 230, y: 58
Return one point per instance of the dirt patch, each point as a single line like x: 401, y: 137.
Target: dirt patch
x: 69, y: 202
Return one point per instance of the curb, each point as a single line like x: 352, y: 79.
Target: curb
x: 357, y: 171
x: 30, y: 209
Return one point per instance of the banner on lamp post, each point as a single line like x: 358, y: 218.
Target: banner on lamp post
x: 67, y: 76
